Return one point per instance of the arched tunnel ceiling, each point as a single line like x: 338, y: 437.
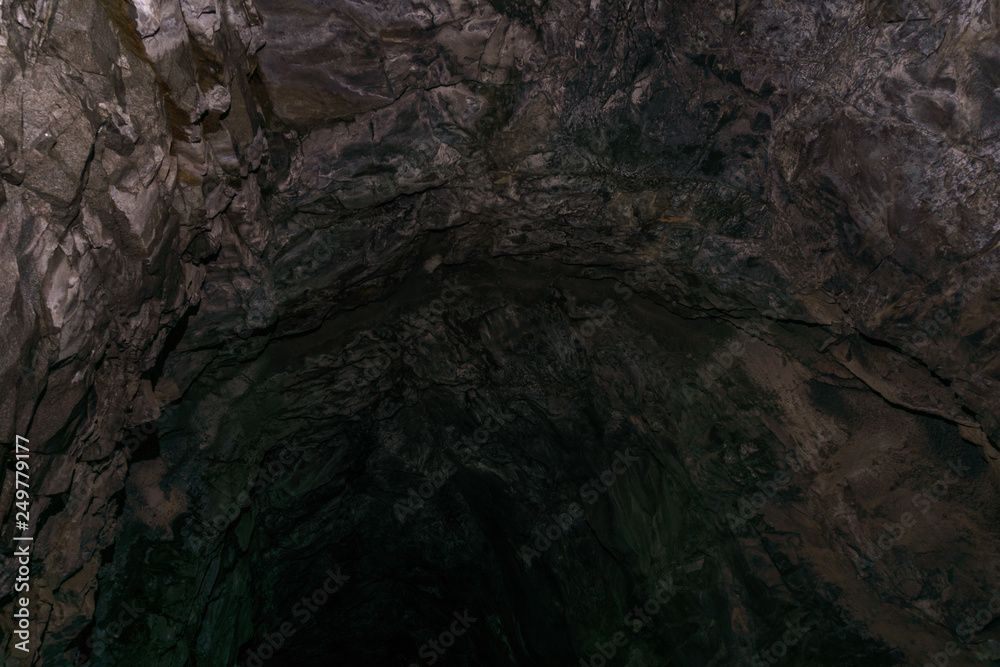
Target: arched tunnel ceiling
x: 522, y: 332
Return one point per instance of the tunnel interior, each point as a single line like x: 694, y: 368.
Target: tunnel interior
x: 521, y: 332
x: 556, y: 452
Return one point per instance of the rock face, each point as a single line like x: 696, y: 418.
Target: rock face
x: 519, y: 332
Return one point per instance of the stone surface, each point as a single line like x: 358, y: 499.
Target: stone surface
x: 266, y: 264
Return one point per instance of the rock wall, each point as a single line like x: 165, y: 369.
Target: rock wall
x: 233, y: 230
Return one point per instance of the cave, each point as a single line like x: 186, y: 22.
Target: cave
x: 633, y: 333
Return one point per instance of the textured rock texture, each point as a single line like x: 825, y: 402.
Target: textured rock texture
x: 373, y: 297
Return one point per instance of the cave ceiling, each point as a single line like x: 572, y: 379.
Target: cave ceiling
x: 519, y: 332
